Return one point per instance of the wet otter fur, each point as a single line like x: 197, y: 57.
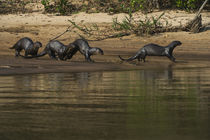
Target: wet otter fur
x: 84, y: 48
x: 53, y: 49
x: 154, y: 50
x: 28, y: 45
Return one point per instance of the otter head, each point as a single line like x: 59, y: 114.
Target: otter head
x: 176, y: 43
x: 99, y: 51
x: 69, y: 48
x: 37, y: 44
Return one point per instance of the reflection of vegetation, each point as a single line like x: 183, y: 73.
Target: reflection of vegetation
x: 143, y: 104
x: 163, y: 106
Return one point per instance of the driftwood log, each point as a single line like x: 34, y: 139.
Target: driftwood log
x: 195, y: 25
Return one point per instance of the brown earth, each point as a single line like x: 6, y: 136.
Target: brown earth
x: 193, y: 53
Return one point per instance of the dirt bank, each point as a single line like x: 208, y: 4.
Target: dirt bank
x: 195, y: 48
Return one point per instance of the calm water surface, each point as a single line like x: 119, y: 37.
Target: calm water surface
x: 165, y: 104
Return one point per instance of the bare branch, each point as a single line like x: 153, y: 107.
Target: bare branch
x: 67, y: 30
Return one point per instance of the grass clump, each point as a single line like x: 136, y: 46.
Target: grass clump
x: 63, y: 7
x: 128, y: 26
x: 148, y: 26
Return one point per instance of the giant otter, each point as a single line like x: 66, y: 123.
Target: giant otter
x: 28, y: 45
x: 83, y: 47
x: 154, y: 50
x: 54, y: 48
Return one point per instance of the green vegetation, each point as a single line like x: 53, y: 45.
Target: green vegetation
x: 63, y: 7
x: 66, y: 7
x: 46, y: 4
x: 188, y: 4
x: 148, y: 26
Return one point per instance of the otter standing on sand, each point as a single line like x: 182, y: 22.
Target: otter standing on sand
x: 84, y: 48
x: 28, y: 45
x: 53, y: 48
x: 155, y: 50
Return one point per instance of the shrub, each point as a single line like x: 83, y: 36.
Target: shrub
x: 64, y: 7
x: 188, y: 4
x: 148, y: 26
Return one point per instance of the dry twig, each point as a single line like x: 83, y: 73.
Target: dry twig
x: 67, y: 30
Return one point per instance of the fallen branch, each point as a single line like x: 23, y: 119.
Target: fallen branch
x: 128, y: 26
x: 110, y: 36
x: 196, y: 24
x: 201, y: 8
x: 67, y: 30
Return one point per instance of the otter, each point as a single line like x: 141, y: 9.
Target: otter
x: 28, y: 45
x: 154, y: 50
x: 53, y: 48
x: 84, y: 48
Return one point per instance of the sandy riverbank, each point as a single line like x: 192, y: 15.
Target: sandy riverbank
x: 42, y: 27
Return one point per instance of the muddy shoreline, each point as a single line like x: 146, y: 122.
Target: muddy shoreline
x: 194, y: 52
x: 10, y: 65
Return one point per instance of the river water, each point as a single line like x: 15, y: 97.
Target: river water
x: 149, y: 104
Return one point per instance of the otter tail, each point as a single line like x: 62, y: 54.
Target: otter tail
x: 13, y: 47
x: 129, y: 59
x: 39, y: 55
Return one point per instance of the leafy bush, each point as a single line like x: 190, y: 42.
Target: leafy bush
x: 46, y: 4
x: 148, y: 26
x: 151, y: 4
x: 136, y: 5
x: 188, y: 4
x: 64, y: 7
